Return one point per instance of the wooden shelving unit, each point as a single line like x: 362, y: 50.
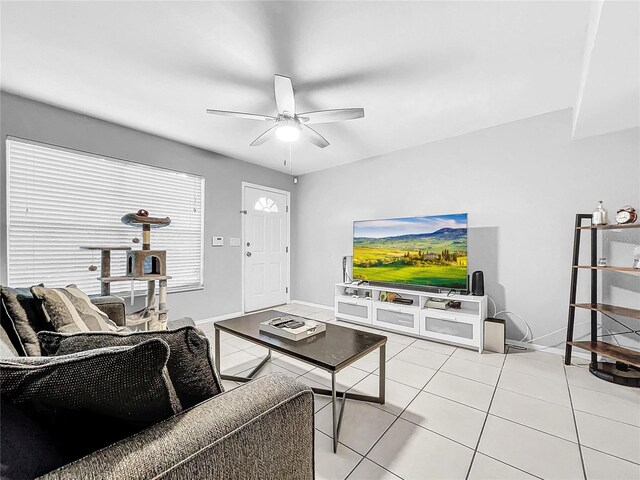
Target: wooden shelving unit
x: 611, y: 309
x: 635, y: 271
x: 626, y: 369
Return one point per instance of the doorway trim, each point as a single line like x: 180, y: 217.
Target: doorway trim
x: 242, y: 250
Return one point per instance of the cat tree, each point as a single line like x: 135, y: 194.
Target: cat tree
x: 141, y: 265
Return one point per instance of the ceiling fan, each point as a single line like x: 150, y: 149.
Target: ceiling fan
x: 290, y: 125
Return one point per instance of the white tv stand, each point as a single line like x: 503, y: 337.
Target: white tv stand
x: 462, y: 327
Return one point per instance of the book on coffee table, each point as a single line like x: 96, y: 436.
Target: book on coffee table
x: 292, y: 327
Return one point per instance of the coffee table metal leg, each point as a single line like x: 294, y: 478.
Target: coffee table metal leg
x: 217, y: 349
x: 334, y: 406
x: 382, y: 373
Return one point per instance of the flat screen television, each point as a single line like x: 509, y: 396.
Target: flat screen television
x: 418, y: 251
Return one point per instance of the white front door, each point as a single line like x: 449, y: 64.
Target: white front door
x: 265, y: 248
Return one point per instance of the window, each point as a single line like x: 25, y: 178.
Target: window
x: 267, y: 205
x: 59, y: 200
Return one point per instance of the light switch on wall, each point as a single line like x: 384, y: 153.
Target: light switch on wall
x: 217, y: 241
x: 234, y: 242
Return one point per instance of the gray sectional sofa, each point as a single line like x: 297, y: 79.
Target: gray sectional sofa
x: 263, y: 429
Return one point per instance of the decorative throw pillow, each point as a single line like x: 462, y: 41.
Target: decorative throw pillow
x: 91, y: 399
x: 190, y: 367
x: 70, y: 310
x: 22, y: 318
x: 27, y: 450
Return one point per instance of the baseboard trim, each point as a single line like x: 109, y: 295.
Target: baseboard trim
x: 309, y: 304
x: 226, y: 316
x: 543, y: 348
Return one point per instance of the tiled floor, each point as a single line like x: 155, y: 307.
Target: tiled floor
x: 452, y: 413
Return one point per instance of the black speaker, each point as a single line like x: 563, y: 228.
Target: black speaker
x: 477, y: 283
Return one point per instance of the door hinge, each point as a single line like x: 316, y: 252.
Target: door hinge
x: 287, y: 290
x: 243, y: 211
x: 286, y: 249
x: 287, y: 208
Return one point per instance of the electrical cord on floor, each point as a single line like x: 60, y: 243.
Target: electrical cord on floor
x: 528, y: 329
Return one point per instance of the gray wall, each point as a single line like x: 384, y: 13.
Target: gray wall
x: 32, y: 120
x: 521, y: 183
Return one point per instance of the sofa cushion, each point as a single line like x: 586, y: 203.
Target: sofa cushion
x: 70, y: 310
x: 22, y: 316
x: 27, y: 449
x: 91, y: 399
x: 190, y: 366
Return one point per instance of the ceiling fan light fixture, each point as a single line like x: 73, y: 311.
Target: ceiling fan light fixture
x: 288, y: 131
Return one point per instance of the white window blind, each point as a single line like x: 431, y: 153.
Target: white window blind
x: 59, y: 199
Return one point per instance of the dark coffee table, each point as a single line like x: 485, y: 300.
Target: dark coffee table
x: 331, y: 350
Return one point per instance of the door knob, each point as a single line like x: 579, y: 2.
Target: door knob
x: 248, y: 254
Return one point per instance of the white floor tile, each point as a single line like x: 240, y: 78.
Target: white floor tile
x: 413, y: 452
x: 534, y: 413
x: 239, y: 343
x: 609, y: 436
x: 535, y: 452
x: 583, y: 378
x: 600, y: 466
x: 408, y: 373
x: 612, y: 406
x: 451, y: 419
x: 225, y: 349
x: 268, y: 369
x: 237, y: 362
x: 369, y: 362
x: 261, y: 352
x: 394, y: 348
x: 472, y: 370
x: 550, y: 390
x: 538, y: 356
x: 333, y: 466
x: 471, y: 393
x: 398, y: 338
x: 434, y: 346
x: 291, y: 364
x: 397, y: 395
x: 367, y: 470
x: 535, y: 365
x: 345, y: 378
x: 229, y: 385
x: 362, y: 424
x: 486, y: 468
x: 487, y: 358
x: 424, y: 358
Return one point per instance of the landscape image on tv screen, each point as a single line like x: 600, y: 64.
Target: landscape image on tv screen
x: 427, y: 251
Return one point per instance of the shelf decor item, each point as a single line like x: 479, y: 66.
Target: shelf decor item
x: 599, y: 216
x: 626, y: 214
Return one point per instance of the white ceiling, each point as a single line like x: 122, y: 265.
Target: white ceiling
x: 423, y: 71
x: 609, y: 94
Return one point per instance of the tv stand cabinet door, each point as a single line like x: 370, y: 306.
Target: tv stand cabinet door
x: 353, y: 310
x: 399, y: 319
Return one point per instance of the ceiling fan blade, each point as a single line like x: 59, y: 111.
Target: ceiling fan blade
x: 285, y: 99
x: 314, y: 137
x: 268, y: 135
x: 248, y: 116
x: 329, y: 116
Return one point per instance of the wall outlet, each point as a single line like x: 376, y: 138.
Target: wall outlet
x: 217, y: 241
